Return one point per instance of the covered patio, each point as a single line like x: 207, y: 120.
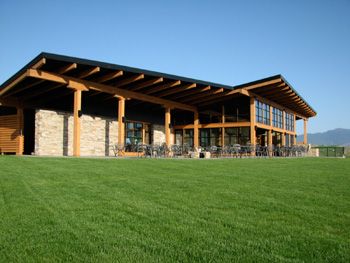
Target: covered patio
x: 196, y: 115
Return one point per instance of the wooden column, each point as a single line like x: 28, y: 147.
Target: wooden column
x: 252, y: 121
x: 167, y: 125
x: 196, y: 130
x: 283, y: 120
x: 223, y: 129
x: 283, y: 139
x: 269, y: 141
x: 305, y: 131
x: 20, y: 142
x: 76, y: 132
x: 271, y: 116
x: 121, y: 121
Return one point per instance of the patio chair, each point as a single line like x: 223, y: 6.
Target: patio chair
x: 176, y: 150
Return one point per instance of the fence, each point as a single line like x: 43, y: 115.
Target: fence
x: 330, y: 151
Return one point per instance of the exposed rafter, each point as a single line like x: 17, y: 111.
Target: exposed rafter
x: 146, y: 84
x: 80, y: 84
x: 191, y: 92
x: 203, y: 95
x: 109, y: 76
x: 128, y: 80
x: 177, y: 89
x: 162, y: 87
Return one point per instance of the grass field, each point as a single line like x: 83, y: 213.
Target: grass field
x: 93, y: 210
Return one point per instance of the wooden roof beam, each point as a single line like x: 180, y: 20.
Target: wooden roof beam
x: 287, y: 95
x: 177, y: 89
x: 273, y: 91
x: 76, y: 83
x: 146, y: 84
x: 14, y: 83
x: 218, y: 99
x: 129, y: 80
x: 88, y: 72
x: 195, y: 91
x: 162, y: 87
x: 40, y: 63
x: 61, y: 71
x: 203, y: 95
x: 67, y: 68
x: 110, y: 76
x: 224, y: 96
x: 266, y: 83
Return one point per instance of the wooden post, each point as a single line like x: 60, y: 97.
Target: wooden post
x: 223, y: 129
x: 269, y: 135
x: 305, y: 131
x: 283, y: 120
x: 283, y: 139
x: 20, y: 146
x: 252, y: 121
x: 295, y: 122
x: 271, y: 116
x: 167, y: 125
x: 196, y: 130
x: 121, y: 121
x: 76, y: 132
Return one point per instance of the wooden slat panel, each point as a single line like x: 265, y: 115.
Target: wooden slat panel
x: 10, y: 138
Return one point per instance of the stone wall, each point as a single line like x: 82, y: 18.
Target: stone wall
x: 159, y: 134
x: 54, y: 134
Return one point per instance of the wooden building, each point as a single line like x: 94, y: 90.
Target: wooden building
x: 59, y: 105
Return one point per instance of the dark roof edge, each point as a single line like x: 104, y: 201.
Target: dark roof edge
x: 279, y: 76
x: 130, y: 69
x: 22, y: 70
x: 138, y: 70
x: 297, y: 94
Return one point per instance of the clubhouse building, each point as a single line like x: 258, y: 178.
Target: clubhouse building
x: 66, y: 106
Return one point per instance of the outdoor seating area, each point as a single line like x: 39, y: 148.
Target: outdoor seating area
x: 228, y: 151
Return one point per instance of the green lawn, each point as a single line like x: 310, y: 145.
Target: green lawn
x: 93, y: 210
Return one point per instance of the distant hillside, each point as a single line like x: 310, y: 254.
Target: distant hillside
x: 332, y: 137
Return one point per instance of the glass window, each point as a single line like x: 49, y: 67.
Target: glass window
x: 289, y: 121
x: 133, y: 132
x: 287, y: 140
x: 188, y: 137
x: 178, y: 137
x: 210, y: 137
x: 237, y: 136
x: 277, y: 118
x: 262, y: 112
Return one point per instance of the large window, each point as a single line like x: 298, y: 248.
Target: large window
x: 188, y: 137
x: 287, y: 139
x: 133, y: 133
x: 277, y: 138
x: 237, y: 136
x: 289, y: 120
x: 277, y: 120
x: 262, y: 112
x: 178, y: 137
x: 136, y: 133
x: 210, y: 137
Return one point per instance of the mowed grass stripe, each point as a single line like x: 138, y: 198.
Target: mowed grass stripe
x: 88, y: 210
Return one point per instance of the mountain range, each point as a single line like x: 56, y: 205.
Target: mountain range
x: 338, y: 136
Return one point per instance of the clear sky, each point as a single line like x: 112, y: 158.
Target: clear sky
x: 229, y: 42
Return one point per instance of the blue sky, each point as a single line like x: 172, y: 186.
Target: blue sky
x: 229, y: 42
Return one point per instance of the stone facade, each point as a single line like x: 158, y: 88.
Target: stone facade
x: 54, y: 134
x: 159, y: 134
